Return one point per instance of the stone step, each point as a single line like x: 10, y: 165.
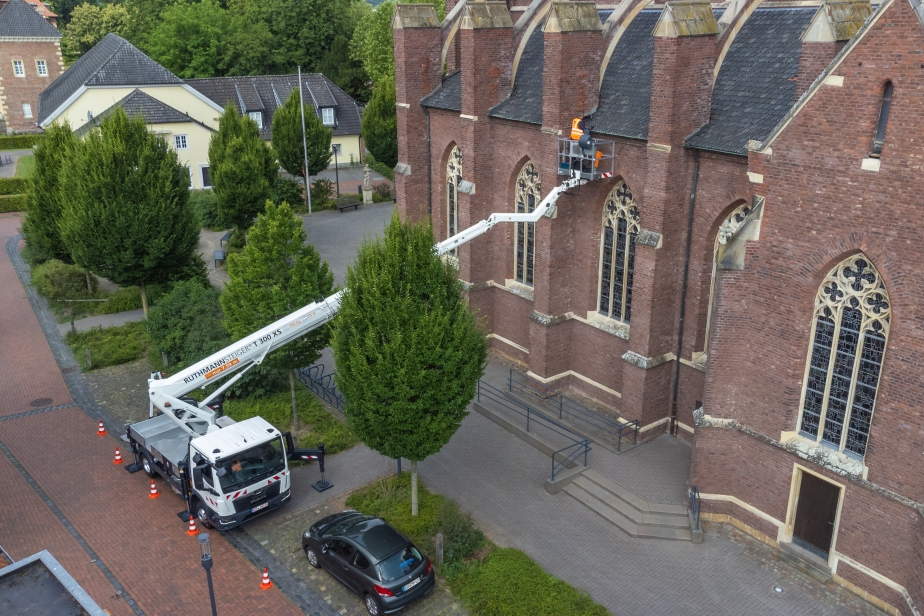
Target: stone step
x: 629, y: 511
x: 631, y: 498
x: 618, y: 519
x: 805, y: 561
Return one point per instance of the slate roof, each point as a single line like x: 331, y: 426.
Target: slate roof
x: 268, y: 92
x: 152, y: 110
x: 625, y: 94
x: 448, y: 95
x: 525, y: 101
x: 756, y: 85
x: 18, y: 19
x: 111, y: 62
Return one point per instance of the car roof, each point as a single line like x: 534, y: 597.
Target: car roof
x: 376, y: 537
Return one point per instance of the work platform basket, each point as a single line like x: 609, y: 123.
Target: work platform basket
x: 593, y: 162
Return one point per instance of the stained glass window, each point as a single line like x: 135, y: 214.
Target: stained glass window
x: 845, y: 360
x: 617, y: 253
x: 527, y: 198
x: 453, y: 176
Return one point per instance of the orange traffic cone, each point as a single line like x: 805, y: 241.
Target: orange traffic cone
x: 154, y: 493
x: 266, y: 584
x: 101, y: 431
x: 118, y: 457
x: 193, y: 531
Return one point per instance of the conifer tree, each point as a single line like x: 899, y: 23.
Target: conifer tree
x: 409, y: 353
x: 275, y: 275
x: 287, y: 138
x: 380, y: 123
x: 40, y: 228
x: 242, y: 167
x: 126, y: 214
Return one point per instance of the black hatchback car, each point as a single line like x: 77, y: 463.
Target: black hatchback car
x: 370, y: 558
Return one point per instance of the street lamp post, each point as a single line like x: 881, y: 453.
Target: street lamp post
x: 336, y: 169
x: 205, y: 553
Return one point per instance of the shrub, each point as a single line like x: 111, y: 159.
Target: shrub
x: 14, y: 203
x: 20, y: 142
x: 507, y: 583
x: 382, y: 168
x: 109, y: 347
x: 186, y: 323
x: 322, y: 194
x: 461, y: 538
x: 122, y: 300
x: 381, y: 192
x: 57, y: 281
x: 289, y: 191
x: 390, y: 498
x: 14, y: 186
x: 236, y: 242
x: 205, y: 205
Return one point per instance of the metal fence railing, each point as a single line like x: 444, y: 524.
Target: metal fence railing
x: 562, y: 458
x: 322, y: 384
x: 696, y: 504
x: 618, y: 429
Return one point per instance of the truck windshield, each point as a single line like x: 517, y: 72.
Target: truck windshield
x: 252, y: 465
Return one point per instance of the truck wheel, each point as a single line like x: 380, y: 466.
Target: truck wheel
x: 202, y: 513
x: 147, y: 463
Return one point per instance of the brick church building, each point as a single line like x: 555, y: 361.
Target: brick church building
x: 748, y: 279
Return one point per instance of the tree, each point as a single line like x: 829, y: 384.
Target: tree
x: 287, y: 138
x: 186, y: 323
x: 191, y: 39
x: 242, y: 167
x: 89, y: 24
x: 40, y: 228
x: 275, y: 275
x: 125, y: 213
x: 408, y: 351
x: 380, y: 123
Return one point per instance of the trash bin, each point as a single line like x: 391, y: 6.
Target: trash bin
x: 359, y: 189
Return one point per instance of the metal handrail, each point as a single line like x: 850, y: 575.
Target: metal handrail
x: 564, y: 404
x: 579, y: 444
x: 322, y: 384
x: 696, y: 504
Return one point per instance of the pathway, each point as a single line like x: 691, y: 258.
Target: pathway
x: 62, y: 492
x: 8, y: 170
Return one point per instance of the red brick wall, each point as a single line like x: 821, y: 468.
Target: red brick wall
x: 815, y: 58
x: 19, y: 90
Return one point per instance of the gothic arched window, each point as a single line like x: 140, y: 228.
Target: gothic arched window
x: 527, y: 198
x: 845, y: 360
x: 729, y: 228
x: 453, y: 177
x: 617, y: 253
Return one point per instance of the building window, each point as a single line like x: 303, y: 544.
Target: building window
x: 849, y: 332
x: 327, y: 116
x: 18, y: 68
x: 335, y: 147
x: 727, y: 230
x: 26, y: 110
x: 617, y: 253
x: 179, y: 142
x: 256, y: 116
x: 453, y: 177
x: 528, y: 190
x: 42, y: 68
x: 883, y: 121
x: 206, y: 178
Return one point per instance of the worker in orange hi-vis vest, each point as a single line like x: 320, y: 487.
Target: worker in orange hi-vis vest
x: 577, y: 128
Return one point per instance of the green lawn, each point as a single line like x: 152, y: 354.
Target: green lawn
x: 25, y: 166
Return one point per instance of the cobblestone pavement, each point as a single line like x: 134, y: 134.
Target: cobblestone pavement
x: 499, y: 478
x: 122, y: 390
x: 281, y: 535
x: 62, y: 492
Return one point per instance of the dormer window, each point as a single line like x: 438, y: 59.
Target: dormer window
x: 327, y: 116
x: 256, y: 116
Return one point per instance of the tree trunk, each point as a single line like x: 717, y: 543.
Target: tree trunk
x: 413, y: 487
x: 144, y: 299
x: 89, y: 284
x: 294, y: 403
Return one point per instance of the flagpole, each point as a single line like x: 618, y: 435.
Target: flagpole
x: 301, y: 105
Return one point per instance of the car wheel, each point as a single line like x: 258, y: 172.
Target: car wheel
x: 312, y: 557
x: 148, y: 464
x: 372, y: 605
x: 203, y: 514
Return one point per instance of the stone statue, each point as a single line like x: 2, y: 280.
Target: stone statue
x: 367, y: 177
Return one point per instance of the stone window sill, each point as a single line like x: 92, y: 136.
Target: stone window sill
x: 518, y: 288
x: 607, y: 324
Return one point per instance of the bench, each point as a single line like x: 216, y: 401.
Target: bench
x: 224, y: 238
x: 355, y: 206
x: 219, y: 256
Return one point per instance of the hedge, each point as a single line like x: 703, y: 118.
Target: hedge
x: 380, y: 167
x: 20, y: 142
x: 13, y: 203
x: 14, y: 186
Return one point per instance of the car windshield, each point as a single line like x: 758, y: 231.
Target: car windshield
x: 400, y: 564
x: 252, y: 465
